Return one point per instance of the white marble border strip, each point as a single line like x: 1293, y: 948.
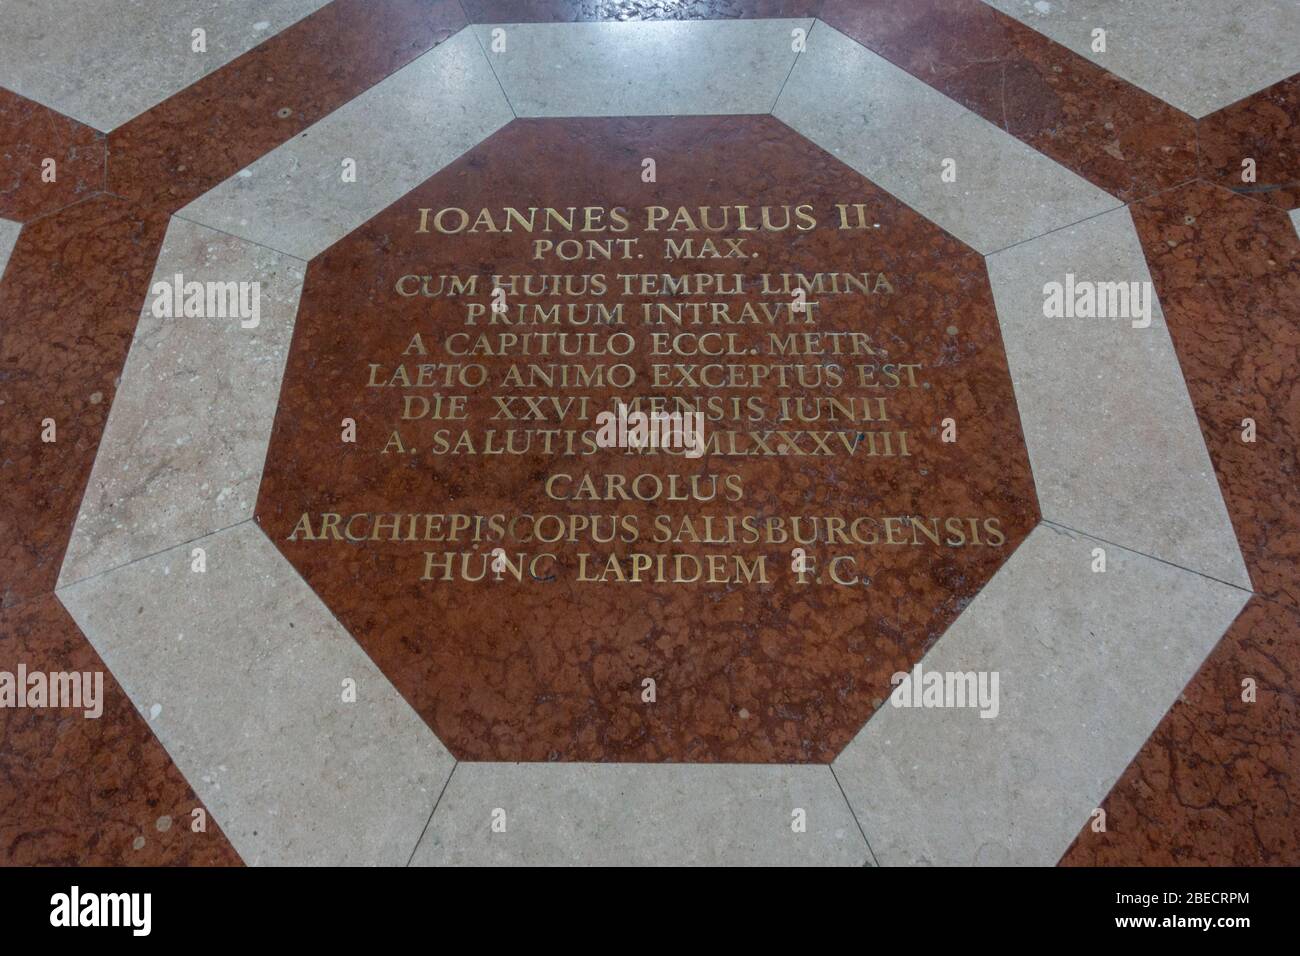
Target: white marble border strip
x: 640, y: 68
x: 1197, y: 55
x: 271, y: 777
x: 185, y: 442
x: 240, y: 670
x: 399, y: 133
x: 255, y: 718
x: 898, y: 132
x: 1088, y: 663
x: 1112, y: 434
x: 558, y: 814
x: 106, y: 63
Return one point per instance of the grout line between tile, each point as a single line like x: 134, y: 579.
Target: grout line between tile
x: 145, y: 557
x: 853, y: 814
x: 1069, y: 225
x: 479, y: 40
x: 55, y: 212
x: 446, y: 783
x: 251, y: 242
x: 1172, y: 564
x: 790, y: 72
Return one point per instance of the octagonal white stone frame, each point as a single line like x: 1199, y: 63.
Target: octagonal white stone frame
x: 238, y: 669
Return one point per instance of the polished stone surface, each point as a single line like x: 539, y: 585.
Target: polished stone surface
x: 1198, y: 56
x: 1253, y: 146
x: 245, y: 675
x: 552, y: 668
x: 164, y: 475
x: 1227, y: 269
x: 641, y: 815
x: 900, y: 132
x: 1083, y: 677
x: 77, y: 283
x: 105, y: 63
x: 47, y: 161
x: 296, y: 198
x: 1213, y: 784
x: 639, y: 69
x: 1111, y: 133
x: 543, y: 11
x: 1218, y: 782
x: 1112, y: 433
x: 85, y: 791
x: 270, y: 95
x: 77, y: 279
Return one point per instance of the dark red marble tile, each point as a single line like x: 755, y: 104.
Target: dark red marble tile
x: 82, y: 791
x: 1218, y: 782
x: 1227, y: 272
x: 544, y: 11
x: 30, y: 134
x: 69, y: 302
x: 1109, y: 132
x: 209, y: 131
x: 1264, y: 127
x: 552, y: 667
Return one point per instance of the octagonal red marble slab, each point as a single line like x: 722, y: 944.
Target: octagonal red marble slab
x: 552, y: 666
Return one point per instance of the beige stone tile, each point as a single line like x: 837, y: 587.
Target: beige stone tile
x: 240, y: 671
x: 1088, y: 663
x: 182, y: 452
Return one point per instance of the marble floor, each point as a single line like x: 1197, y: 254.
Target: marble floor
x: 314, y: 551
